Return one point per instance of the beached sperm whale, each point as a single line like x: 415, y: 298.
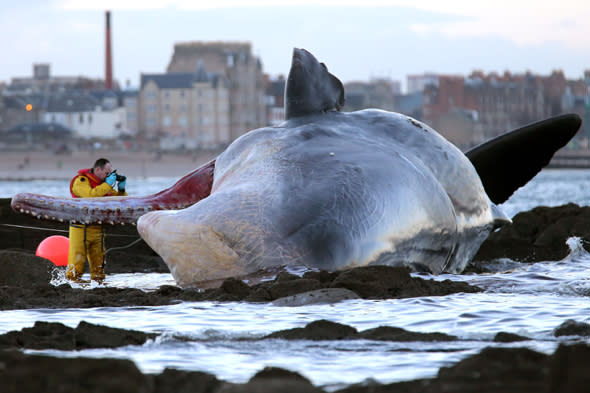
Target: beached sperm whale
x: 328, y: 190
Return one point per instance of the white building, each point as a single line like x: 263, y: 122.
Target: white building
x: 86, y: 116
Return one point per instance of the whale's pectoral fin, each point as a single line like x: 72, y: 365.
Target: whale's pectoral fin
x: 509, y: 161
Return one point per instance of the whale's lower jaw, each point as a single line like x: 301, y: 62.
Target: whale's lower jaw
x: 193, y: 252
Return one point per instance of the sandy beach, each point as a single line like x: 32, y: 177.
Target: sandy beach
x: 16, y: 165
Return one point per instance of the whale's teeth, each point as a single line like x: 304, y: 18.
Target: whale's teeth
x: 61, y: 220
x: 46, y: 217
x: 133, y: 224
x: 22, y: 211
x: 112, y: 223
x: 99, y: 222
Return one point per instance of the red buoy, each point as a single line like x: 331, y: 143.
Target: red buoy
x: 55, y: 248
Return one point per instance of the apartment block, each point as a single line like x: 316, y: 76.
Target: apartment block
x: 185, y: 109
x: 243, y: 70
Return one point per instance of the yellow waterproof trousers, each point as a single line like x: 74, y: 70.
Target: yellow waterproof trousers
x: 86, y: 242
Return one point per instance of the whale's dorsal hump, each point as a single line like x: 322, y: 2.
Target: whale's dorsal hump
x: 311, y: 89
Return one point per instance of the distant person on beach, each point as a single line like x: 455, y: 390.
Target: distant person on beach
x: 87, y: 241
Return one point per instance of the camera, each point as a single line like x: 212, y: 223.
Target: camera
x: 119, y: 177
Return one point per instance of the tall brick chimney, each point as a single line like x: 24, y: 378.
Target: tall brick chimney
x: 108, y: 72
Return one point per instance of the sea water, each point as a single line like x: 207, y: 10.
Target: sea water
x: 224, y: 338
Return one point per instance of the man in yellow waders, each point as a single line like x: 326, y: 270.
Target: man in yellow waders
x: 87, y: 241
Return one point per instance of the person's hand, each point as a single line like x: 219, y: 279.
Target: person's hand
x: 122, y: 185
x: 111, y: 179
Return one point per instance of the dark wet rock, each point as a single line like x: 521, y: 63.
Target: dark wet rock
x: 88, y: 335
x: 235, y: 287
x: 45, y: 335
x: 287, y: 288
x: 24, y: 373
x: 317, y: 330
x: 374, y: 281
x: 278, y: 373
x: 504, y: 337
x: 327, y: 330
x: 177, y: 381
x: 42, y: 335
x: 538, y: 235
x: 515, y: 370
x: 506, y: 370
x: 64, y: 296
x: 388, y: 333
x: 569, y: 367
x: 389, y: 282
x: 572, y: 328
x: 323, y: 276
x: 258, y: 295
x: 386, y: 282
x: 319, y: 296
x: 23, y: 269
x: 510, y: 370
x: 271, y: 380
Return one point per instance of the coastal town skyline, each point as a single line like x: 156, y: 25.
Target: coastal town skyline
x: 383, y: 39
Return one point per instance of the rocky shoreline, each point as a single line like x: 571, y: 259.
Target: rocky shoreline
x: 492, y: 370
x: 539, y: 234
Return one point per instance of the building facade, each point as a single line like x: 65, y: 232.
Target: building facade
x: 185, y: 110
x: 87, y: 115
x: 235, y: 61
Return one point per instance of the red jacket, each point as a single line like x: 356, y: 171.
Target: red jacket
x: 92, y: 180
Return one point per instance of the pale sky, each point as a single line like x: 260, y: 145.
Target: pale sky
x: 358, y: 40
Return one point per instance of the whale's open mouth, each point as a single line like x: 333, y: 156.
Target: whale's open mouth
x: 118, y: 210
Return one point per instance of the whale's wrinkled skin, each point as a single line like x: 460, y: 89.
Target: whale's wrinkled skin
x: 329, y: 190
